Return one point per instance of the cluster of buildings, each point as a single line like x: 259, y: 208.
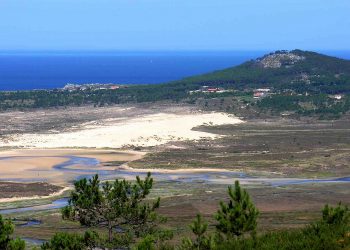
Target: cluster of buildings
x: 209, y: 89
x: 91, y: 86
x: 260, y: 93
x: 257, y: 93
x: 263, y: 92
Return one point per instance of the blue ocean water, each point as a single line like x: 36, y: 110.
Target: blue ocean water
x: 47, y: 70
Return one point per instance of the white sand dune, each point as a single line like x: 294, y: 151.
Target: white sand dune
x: 147, y: 130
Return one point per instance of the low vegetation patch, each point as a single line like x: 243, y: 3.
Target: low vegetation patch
x: 130, y: 220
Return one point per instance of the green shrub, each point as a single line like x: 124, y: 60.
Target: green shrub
x: 65, y: 241
x: 6, y: 242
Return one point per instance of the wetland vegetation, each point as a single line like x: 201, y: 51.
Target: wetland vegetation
x: 234, y: 226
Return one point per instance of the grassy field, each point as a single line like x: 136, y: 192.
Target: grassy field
x: 288, y: 148
x: 13, y: 189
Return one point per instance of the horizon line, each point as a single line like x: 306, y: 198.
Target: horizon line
x: 160, y: 50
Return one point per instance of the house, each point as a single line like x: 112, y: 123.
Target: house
x: 113, y: 87
x: 265, y: 90
x: 259, y: 93
x: 213, y: 90
x: 207, y: 89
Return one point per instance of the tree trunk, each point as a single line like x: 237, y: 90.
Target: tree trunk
x: 110, y: 229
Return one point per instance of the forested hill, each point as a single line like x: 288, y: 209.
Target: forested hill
x: 298, y: 70
x: 303, y: 81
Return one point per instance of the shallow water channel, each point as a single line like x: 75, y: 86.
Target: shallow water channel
x: 85, y: 167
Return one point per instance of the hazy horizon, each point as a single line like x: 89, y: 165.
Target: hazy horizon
x: 160, y: 51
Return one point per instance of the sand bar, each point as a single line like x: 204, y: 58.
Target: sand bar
x: 33, y: 165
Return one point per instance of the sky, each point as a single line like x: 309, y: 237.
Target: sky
x: 174, y: 24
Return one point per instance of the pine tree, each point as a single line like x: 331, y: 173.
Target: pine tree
x: 336, y: 215
x: 239, y: 215
x: 201, y: 241
x: 199, y: 228
x: 112, y: 205
x: 6, y: 242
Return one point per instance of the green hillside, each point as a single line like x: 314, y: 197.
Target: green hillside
x: 297, y: 70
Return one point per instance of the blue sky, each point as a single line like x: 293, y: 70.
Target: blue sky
x: 174, y: 24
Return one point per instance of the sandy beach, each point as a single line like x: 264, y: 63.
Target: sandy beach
x: 144, y: 130
x: 27, y: 167
x: 30, y: 165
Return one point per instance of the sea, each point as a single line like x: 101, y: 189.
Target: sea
x: 49, y: 69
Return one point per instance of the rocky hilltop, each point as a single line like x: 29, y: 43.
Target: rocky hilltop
x: 280, y: 59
